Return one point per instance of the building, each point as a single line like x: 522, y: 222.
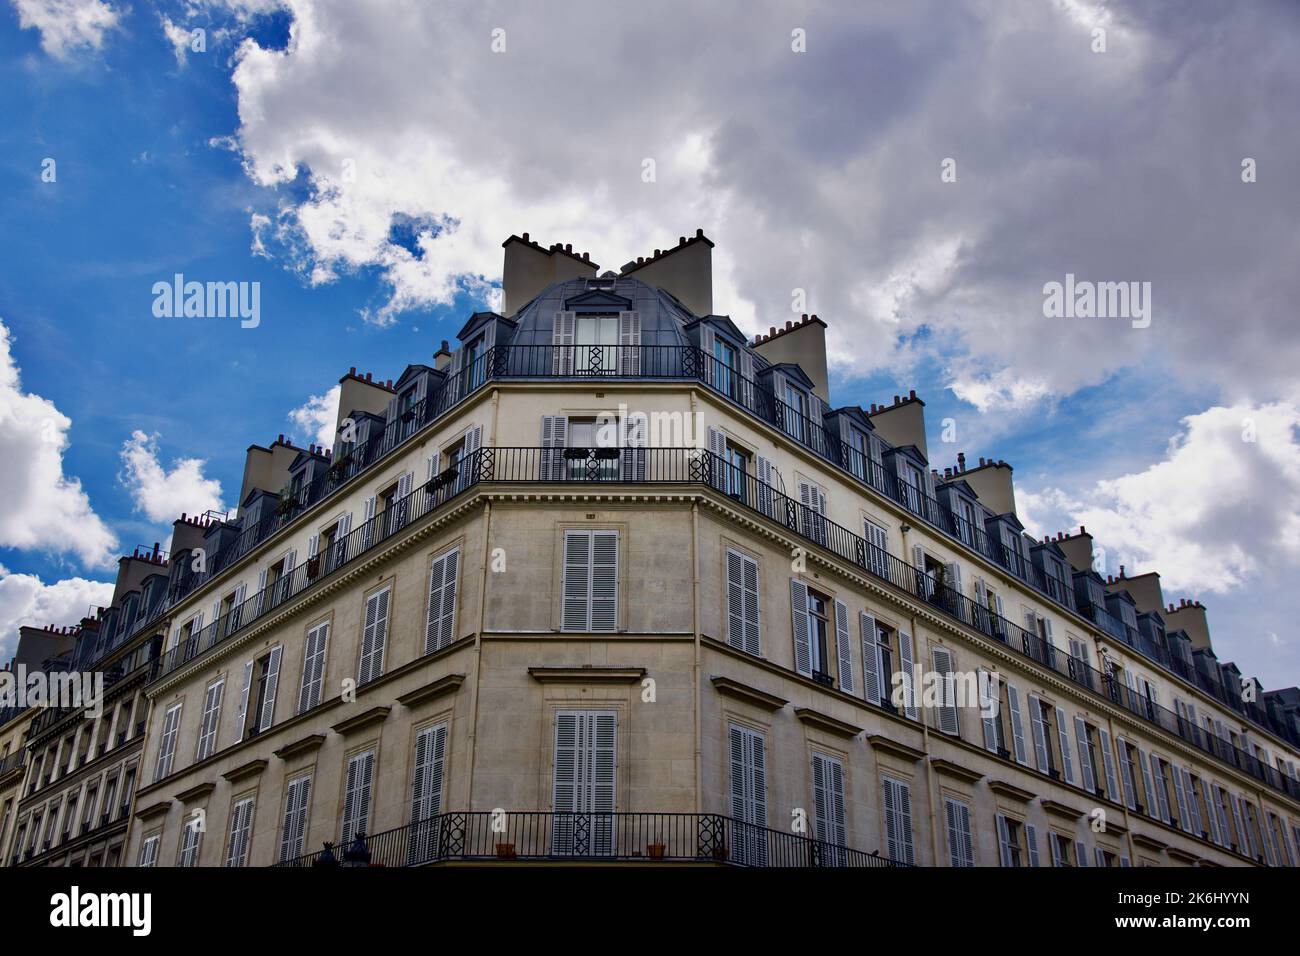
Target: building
x: 609, y: 581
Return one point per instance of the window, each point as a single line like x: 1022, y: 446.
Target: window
x: 812, y: 512
x: 474, y: 366
x: 743, y: 632
x: 725, y: 367
x: 1083, y: 736
x: 167, y: 747
x: 913, y: 485
x: 426, y: 793
x: 877, y: 549
x: 1061, y: 850
x: 374, y: 636
x: 1010, y: 848
x: 189, y: 849
x: 947, y: 709
x: 313, y: 667
x: 812, y: 649
x: 961, y: 849
x: 1017, y: 728
x: 876, y: 661
x: 737, y: 467
x: 859, y: 453
x: 356, y: 798
x: 149, y: 850
x: 828, y: 801
x: 440, y: 628
x: 748, y: 795
x: 241, y: 827
x: 583, y: 779
x: 989, y: 702
x: 590, y: 594
x: 897, y: 799
x: 1040, y: 721
x: 595, y: 344
x: 794, y: 412
x: 211, y: 718
x: 966, y: 526
x: 297, y: 799
x: 261, y: 681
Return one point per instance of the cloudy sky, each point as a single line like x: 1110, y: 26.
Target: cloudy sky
x: 920, y: 170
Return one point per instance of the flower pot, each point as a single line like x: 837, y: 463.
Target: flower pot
x: 505, y: 851
x: 655, y: 851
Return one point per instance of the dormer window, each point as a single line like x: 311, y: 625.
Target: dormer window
x: 796, y: 411
x: 475, y: 363
x: 859, y: 452
x: 595, y: 339
x: 724, y: 356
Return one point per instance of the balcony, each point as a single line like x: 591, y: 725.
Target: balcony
x: 588, y: 838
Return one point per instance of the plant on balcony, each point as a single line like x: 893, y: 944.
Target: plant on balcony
x: 285, y: 504
x: 607, y: 454
x: 576, y: 454
x: 505, y: 851
x: 655, y: 850
x: 313, y: 566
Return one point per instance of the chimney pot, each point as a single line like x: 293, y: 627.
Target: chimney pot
x: 911, y: 393
x: 699, y: 233
x: 681, y: 240
x: 352, y: 371
x: 788, y: 325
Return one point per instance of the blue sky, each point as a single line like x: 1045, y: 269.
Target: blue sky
x: 819, y: 173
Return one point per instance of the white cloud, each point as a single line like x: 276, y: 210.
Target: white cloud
x: 26, y: 600
x: 43, y: 508
x: 164, y: 495
x: 178, y: 36
x: 67, y: 25
x: 1215, y: 513
x: 315, y: 420
x: 819, y: 171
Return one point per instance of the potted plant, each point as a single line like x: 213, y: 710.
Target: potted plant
x: 608, y: 454
x: 655, y: 851
x: 313, y: 566
x: 505, y: 851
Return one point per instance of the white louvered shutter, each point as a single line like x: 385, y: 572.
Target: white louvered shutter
x: 1085, y: 761
x: 1100, y: 856
x: 909, y: 685
x: 634, y: 429
x: 1005, y: 856
x: 149, y: 851
x: 426, y: 792
x: 1126, y: 777
x: 1217, y: 833
x: 576, y: 610
x: 799, y: 618
x: 748, y: 794
x: 440, y: 627
x: 898, y: 820
x: 368, y: 522
x: 1152, y: 804
x: 313, y: 668
x: 961, y: 852
x: 1108, y: 765
x: 241, y: 824
x: 844, y: 645
x: 1031, y: 838
x: 374, y: 637
x: 742, y: 603
x: 947, y: 707
x: 1063, y: 737
x: 766, y: 497
x: 296, y: 801
x: 313, y: 546
x: 873, y: 680
x: 211, y: 718
x: 629, y: 338
x: 584, y: 775
x: 1180, y: 794
x: 1040, y: 733
x: 1080, y: 853
x: 272, y: 684
x: 242, y: 719
x: 718, y: 466
x: 708, y: 362
x: 356, y: 799
x: 167, y: 746
x: 1195, y: 824
x: 189, y: 851
x: 562, y: 340
x: 604, y: 581
x: 1017, y: 729
x: 988, y: 712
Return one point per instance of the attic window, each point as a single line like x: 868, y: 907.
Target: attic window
x: 601, y: 285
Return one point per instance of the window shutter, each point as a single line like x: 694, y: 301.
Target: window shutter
x: 1031, y: 838
x: 799, y: 614
x: 1126, y: 776
x: 898, y: 820
x: 947, y: 706
x: 1180, y: 794
x: 742, y: 603
x: 961, y: 852
x: 1100, y: 856
x: 748, y: 794
x: 954, y: 577
x: 905, y: 663
x: 1243, y: 838
x: 766, y: 499
x: 629, y: 337
x: 562, y: 342
x: 632, y: 436
x: 272, y: 683
x: 708, y: 361
x: 313, y: 546
x: 872, y: 679
x: 426, y: 793
x: 241, y: 822
x: 1194, y: 822
x: 820, y: 821
x: 843, y: 647
x: 431, y: 466
x: 167, y: 746
x: 576, y: 609
x: 1080, y: 853
x: 440, y: 627
x: 356, y: 800
x: 211, y: 718
x: 1005, y: 856
x: 1017, y: 729
x: 368, y: 519
x: 313, y: 668
x: 189, y: 854
x: 718, y: 462
x: 1054, y: 843
x: 296, y: 801
x: 1063, y: 736
x: 149, y: 851
x: 604, y: 581
x: 1108, y: 765
x: 261, y: 590
x: 243, y: 701
x: 1040, y: 733
x: 1153, y: 809
x: 1085, y: 763
x: 988, y: 712
x: 1211, y: 811
x: 374, y: 637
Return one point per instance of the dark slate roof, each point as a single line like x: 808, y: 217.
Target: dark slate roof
x: 663, y: 318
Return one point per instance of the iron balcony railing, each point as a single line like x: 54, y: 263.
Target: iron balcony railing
x: 13, y: 761
x: 597, y: 362
x: 586, y: 466
x: 479, y: 836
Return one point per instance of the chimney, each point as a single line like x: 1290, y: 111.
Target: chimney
x: 442, y: 357
x: 528, y: 269
x: 902, y: 423
x: 802, y: 344
x: 1190, y: 618
x: 685, y: 270
x: 1078, y: 549
x: 991, y: 481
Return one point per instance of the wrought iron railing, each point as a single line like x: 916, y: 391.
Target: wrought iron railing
x: 480, y: 836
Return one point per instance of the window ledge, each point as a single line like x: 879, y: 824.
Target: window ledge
x: 308, y: 743
x: 196, y: 793
x: 432, y: 691
x: 750, y: 695
x: 250, y: 769
x: 826, y: 722
x: 587, y: 675
x: 375, y: 715
x: 950, y: 769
